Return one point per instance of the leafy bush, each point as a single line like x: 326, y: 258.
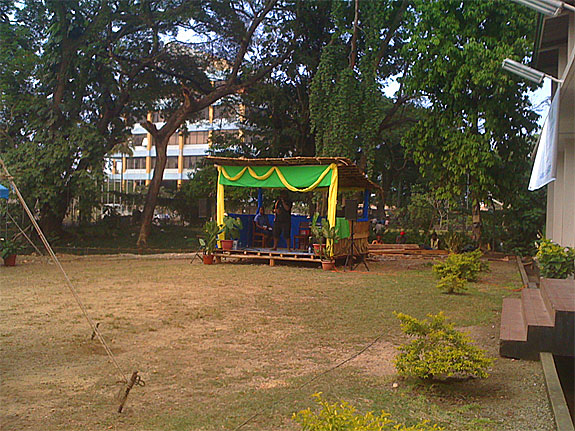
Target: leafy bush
x: 451, y: 283
x: 455, y: 241
x: 438, y: 350
x: 344, y: 417
x: 457, y: 269
x: 554, y: 260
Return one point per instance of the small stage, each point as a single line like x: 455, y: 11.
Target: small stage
x: 268, y: 254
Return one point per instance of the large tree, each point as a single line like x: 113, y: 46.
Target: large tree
x: 68, y: 73
x: 474, y: 139
x: 239, y: 44
x: 350, y: 111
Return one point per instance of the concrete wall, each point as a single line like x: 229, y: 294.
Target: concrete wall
x: 561, y: 193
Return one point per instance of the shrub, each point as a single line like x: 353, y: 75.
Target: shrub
x: 455, y: 241
x: 554, y: 260
x: 438, y: 350
x: 451, y: 283
x: 465, y: 266
x: 344, y: 417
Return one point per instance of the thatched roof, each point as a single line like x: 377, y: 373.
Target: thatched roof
x: 350, y: 176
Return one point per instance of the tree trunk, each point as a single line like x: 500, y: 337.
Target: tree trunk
x: 476, y: 222
x: 152, y: 195
x: 52, y: 215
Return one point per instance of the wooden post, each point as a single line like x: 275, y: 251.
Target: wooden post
x: 129, y: 387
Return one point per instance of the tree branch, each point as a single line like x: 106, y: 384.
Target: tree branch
x: 382, y: 52
x: 353, y: 52
x: 246, y: 40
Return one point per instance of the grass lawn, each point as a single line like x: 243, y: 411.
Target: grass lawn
x: 216, y: 344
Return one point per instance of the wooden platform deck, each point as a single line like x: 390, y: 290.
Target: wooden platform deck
x: 268, y: 254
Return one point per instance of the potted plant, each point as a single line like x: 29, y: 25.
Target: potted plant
x: 9, y: 250
x: 316, y: 236
x: 330, y: 234
x: 232, y: 227
x: 211, y: 231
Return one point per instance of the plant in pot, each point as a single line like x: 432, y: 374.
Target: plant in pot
x: 316, y: 236
x: 211, y: 230
x: 9, y: 250
x: 330, y: 235
x: 232, y: 227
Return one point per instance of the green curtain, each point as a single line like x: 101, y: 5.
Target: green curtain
x: 296, y: 176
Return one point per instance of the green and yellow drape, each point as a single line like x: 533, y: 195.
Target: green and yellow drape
x: 294, y: 178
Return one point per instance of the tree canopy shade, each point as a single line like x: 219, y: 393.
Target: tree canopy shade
x: 76, y: 75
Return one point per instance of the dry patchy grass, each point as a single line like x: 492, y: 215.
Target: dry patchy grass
x: 217, y: 343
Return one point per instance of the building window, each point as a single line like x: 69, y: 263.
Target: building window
x: 223, y: 112
x: 197, y: 138
x: 202, y: 115
x: 192, y: 162
x: 172, y: 163
x: 136, y: 163
x: 174, y: 139
x: 138, y: 140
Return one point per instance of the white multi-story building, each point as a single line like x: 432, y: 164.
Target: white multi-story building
x: 185, y: 150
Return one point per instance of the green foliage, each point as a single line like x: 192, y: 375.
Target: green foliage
x: 421, y: 213
x: 467, y: 141
x: 211, y: 230
x: 438, y: 350
x: 350, y: 114
x: 523, y: 220
x: 465, y: 265
x: 330, y: 234
x: 451, y: 283
x: 232, y: 227
x: 315, y: 228
x: 554, y: 260
x: 455, y: 241
x: 344, y: 417
x: 9, y: 247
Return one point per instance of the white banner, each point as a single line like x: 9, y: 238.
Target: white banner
x: 545, y: 166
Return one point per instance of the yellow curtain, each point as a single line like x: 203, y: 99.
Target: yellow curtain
x: 220, y: 208
x: 332, y: 200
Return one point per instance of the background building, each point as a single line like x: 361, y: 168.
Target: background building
x: 186, y: 150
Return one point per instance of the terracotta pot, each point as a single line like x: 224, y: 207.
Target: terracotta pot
x: 328, y: 265
x: 208, y: 259
x: 319, y: 249
x: 10, y: 260
x: 227, y: 244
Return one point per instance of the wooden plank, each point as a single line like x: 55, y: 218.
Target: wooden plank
x: 522, y: 271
